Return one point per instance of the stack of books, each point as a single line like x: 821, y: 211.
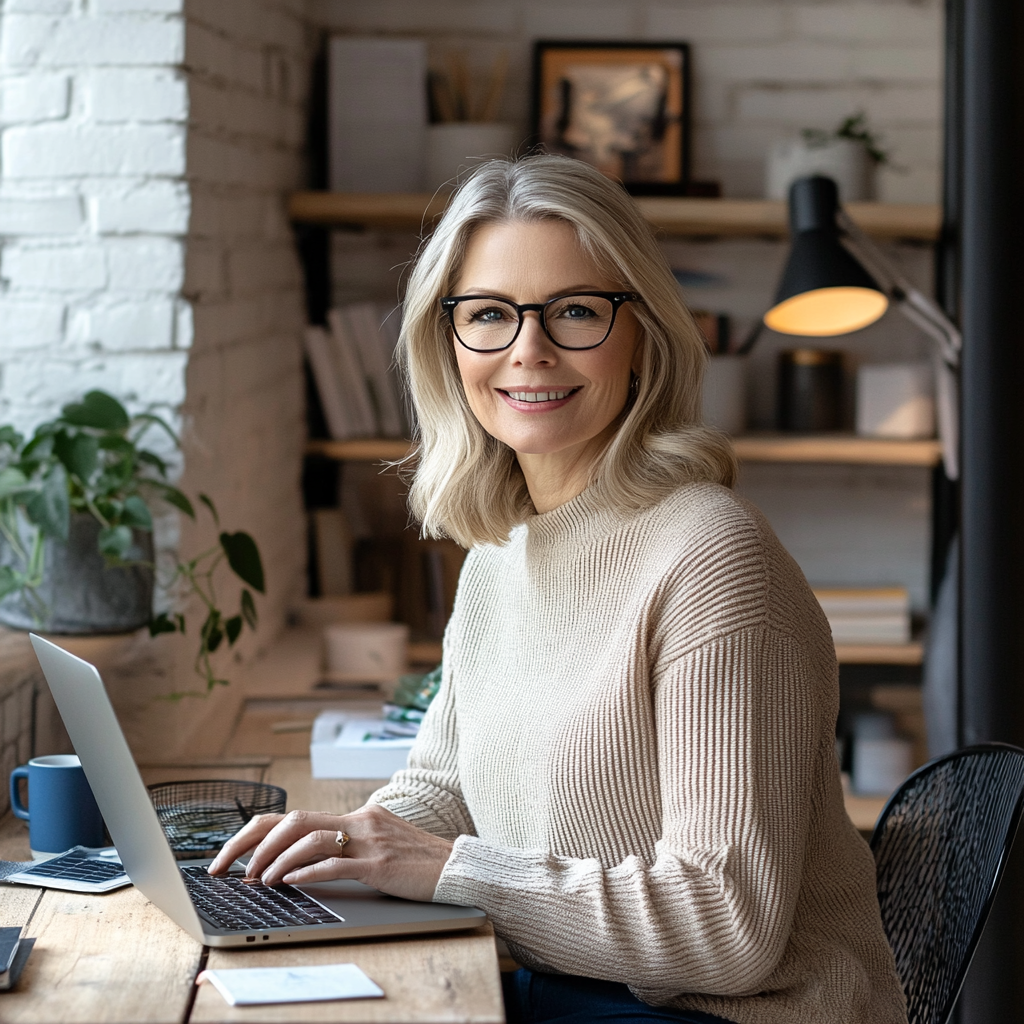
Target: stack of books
x: 867, y: 615
x: 353, y: 364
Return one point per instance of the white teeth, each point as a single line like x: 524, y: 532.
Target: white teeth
x: 537, y: 396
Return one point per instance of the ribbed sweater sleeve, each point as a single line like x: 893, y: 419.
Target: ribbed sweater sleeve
x: 712, y: 913
x: 427, y: 793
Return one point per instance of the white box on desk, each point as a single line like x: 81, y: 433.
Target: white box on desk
x: 338, y: 748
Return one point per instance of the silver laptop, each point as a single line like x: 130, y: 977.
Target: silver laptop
x: 221, y: 911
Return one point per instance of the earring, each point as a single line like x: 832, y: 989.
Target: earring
x: 634, y: 386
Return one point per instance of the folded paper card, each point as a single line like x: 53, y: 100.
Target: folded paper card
x: 250, y: 986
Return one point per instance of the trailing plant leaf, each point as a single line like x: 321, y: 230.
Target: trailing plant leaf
x: 232, y: 627
x: 10, y: 437
x: 98, y: 410
x: 136, y: 513
x: 161, y: 624
x: 108, y: 508
x: 147, y: 419
x: 10, y: 581
x: 50, y: 508
x: 208, y: 502
x: 212, y: 633
x: 79, y: 453
x: 14, y: 483
x: 249, y: 609
x: 174, y: 497
x: 115, y: 542
x: 40, y: 448
x: 244, y: 558
x: 151, y: 459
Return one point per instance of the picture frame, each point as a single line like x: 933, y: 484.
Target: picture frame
x: 622, y: 107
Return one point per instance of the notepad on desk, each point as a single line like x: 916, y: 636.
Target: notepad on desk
x: 252, y: 986
x: 348, y: 747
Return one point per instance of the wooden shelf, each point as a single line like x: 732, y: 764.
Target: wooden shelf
x: 830, y: 448
x: 673, y: 216
x: 880, y: 654
x: 864, y: 810
x: 362, y: 449
x: 841, y: 448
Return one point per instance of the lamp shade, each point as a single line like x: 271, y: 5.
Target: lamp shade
x: 824, y: 290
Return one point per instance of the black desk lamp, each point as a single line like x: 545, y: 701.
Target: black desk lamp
x: 824, y: 290
x: 831, y: 286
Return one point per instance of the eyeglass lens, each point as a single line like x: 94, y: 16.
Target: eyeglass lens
x: 573, y: 321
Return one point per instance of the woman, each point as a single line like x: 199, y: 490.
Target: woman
x: 630, y: 764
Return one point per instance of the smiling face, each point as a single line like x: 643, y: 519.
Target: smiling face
x: 556, y: 408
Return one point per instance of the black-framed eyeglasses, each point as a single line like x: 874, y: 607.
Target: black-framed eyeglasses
x: 488, y: 323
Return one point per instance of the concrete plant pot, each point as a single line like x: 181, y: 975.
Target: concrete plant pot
x: 81, y: 594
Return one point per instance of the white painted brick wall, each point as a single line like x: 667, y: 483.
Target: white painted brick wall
x: 35, y: 98
x: 144, y: 250
x: 137, y: 96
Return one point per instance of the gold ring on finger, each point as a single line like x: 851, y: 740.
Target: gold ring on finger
x: 341, y: 839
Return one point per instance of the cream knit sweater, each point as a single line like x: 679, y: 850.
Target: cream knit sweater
x: 633, y: 749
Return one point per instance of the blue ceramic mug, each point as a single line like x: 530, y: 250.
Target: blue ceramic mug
x: 62, y: 811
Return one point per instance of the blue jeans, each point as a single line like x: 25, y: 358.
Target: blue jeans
x: 535, y: 998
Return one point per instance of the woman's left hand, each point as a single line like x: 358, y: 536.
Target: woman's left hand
x: 383, y: 851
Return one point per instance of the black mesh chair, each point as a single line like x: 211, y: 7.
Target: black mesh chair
x: 940, y: 847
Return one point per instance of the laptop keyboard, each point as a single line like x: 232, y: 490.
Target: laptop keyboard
x: 230, y: 903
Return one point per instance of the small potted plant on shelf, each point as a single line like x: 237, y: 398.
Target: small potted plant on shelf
x: 849, y: 154
x: 76, y: 533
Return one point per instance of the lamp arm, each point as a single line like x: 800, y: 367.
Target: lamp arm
x: 944, y: 334
x: 926, y: 314
x: 910, y: 300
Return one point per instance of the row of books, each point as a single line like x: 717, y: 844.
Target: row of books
x: 353, y: 364
x: 867, y: 615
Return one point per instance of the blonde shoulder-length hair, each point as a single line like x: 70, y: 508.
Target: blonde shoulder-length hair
x: 467, y: 484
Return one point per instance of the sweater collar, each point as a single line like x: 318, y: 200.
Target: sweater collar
x: 582, y: 519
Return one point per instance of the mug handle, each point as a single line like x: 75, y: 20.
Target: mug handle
x: 20, y: 811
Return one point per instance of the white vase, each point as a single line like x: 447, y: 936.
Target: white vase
x: 724, y: 398
x: 456, y: 147
x: 843, y: 160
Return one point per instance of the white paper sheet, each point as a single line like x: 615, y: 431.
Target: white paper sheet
x: 249, y: 986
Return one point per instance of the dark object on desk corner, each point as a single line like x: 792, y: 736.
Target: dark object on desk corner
x: 810, y: 390
x: 14, y: 951
x: 948, y: 829
x: 199, y: 817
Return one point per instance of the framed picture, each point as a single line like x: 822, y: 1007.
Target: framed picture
x: 623, y: 107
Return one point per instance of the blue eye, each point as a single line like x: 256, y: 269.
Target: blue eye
x: 489, y: 316
x: 578, y: 313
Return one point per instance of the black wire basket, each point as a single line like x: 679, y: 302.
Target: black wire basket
x: 199, y: 817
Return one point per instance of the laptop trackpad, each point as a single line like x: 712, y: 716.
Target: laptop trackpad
x: 360, y: 905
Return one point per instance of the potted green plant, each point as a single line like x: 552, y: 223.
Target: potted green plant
x: 76, y: 533
x: 849, y: 154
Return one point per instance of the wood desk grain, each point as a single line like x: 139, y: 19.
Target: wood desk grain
x: 433, y: 978
x: 116, y: 958
x: 96, y: 958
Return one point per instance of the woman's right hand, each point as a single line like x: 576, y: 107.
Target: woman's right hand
x: 383, y: 851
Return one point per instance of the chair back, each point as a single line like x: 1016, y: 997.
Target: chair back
x: 940, y: 847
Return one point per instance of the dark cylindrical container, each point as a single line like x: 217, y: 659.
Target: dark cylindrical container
x: 810, y: 390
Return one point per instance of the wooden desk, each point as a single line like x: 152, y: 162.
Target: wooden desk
x: 116, y: 958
